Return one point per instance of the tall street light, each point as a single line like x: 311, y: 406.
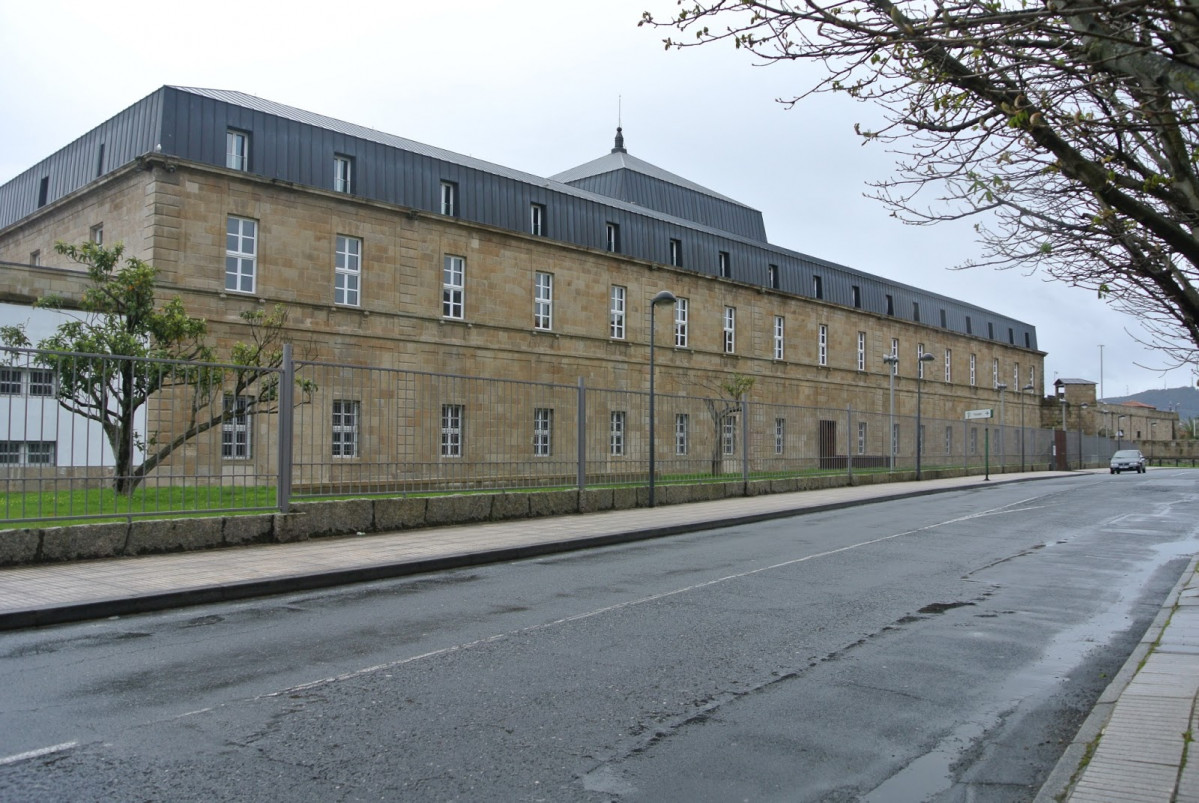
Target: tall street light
x: 664, y: 297
x: 892, y: 361
x: 919, y: 383
x: 1080, y: 416
x: 1023, y: 434
x: 1065, y: 450
x: 1002, y: 387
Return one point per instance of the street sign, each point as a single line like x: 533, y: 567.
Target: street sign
x: 970, y: 414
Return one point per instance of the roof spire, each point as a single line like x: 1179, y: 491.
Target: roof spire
x: 619, y: 136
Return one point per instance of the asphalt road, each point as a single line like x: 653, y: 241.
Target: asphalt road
x: 940, y: 648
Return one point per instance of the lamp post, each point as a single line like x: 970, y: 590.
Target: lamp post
x: 664, y: 297
x: 1066, y: 454
x: 1023, y: 434
x: 919, y: 384
x: 1081, y: 465
x: 892, y: 361
x: 1002, y: 387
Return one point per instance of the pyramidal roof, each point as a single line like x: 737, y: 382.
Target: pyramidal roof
x: 620, y: 175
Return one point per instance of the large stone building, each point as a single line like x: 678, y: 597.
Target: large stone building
x: 391, y: 253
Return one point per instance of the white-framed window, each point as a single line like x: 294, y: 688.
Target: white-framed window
x: 241, y: 254
x: 895, y: 354
x: 343, y: 173
x: 11, y: 382
x: 680, y: 323
x: 41, y: 382
x: 772, y: 276
x: 948, y: 440
x: 920, y: 361
x: 449, y: 198
x: 730, y: 330
x: 453, y: 287
x: 1032, y: 376
x: 973, y: 440
x: 676, y: 252
x: 451, y: 430
x: 862, y: 437
x: 236, y: 433
x: 237, y: 150
x: 543, y: 432
x: 537, y: 220
x: 347, y: 271
x: 1016, y: 376
x: 780, y: 435
x: 682, y: 433
x: 543, y: 301
x: 26, y: 382
x: 96, y: 234
x: 612, y: 237
x: 726, y: 268
x: 861, y: 351
x: 728, y: 439
x: 973, y: 370
x: 822, y: 345
x: 35, y: 258
x: 779, y: 336
x: 948, y: 365
x: 28, y: 453
x: 616, y: 312
x: 894, y: 439
x: 345, y: 427
x: 817, y: 287
x: 616, y: 422
x: 995, y: 372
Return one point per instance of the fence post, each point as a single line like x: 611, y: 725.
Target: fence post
x: 744, y: 446
x: 849, y: 441
x: 581, y: 437
x: 287, y: 411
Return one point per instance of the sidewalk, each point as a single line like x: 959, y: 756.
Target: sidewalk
x: 1142, y: 716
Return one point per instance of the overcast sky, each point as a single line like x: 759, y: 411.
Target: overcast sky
x: 534, y: 85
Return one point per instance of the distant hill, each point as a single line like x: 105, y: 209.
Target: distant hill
x: 1186, y: 399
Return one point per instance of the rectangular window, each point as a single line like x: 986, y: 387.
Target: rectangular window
x: 861, y: 437
x: 612, y: 237
x: 780, y: 435
x: 857, y: 296
x: 237, y: 150
x: 449, y: 198
x: 919, y: 361
x: 995, y: 372
x: 682, y: 433
x: 453, y: 287
x: 973, y: 440
x: 1032, y: 376
x: 730, y: 330
x: 28, y: 453
x: 343, y: 174
x: 345, y: 428
x: 729, y: 434
x: 100, y: 160
x: 772, y: 276
x: 616, y: 313
x: 817, y: 287
x: 10, y: 382
x: 680, y: 323
x: 347, y: 271
x: 676, y: 253
x: 990, y: 331
x: 616, y: 433
x: 96, y: 234
x: 543, y: 432
x: 241, y: 254
x: 861, y: 351
x: 35, y: 258
x: 1011, y: 335
x: 949, y: 440
x: 235, y: 428
x: 1027, y: 340
x: 890, y: 305
x: 726, y: 268
x: 944, y: 320
x: 1016, y: 376
x: 822, y: 345
x: 916, y: 312
x: 895, y: 354
x: 969, y: 326
x: 451, y: 430
x: 41, y: 382
x: 973, y: 370
x: 779, y: 336
x: 948, y: 365
x: 537, y: 220
x: 43, y: 191
x: 543, y: 302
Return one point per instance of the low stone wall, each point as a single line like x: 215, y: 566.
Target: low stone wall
x: 384, y: 514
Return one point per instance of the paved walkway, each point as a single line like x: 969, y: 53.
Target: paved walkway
x: 1145, y: 716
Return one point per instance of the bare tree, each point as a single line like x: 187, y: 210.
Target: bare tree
x: 723, y: 408
x: 1067, y: 127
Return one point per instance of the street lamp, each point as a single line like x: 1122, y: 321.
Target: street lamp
x: 1002, y: 387
x: 1065, y: 446
x: 1081, y: 465
x: 892, y: 360
x: 1023, y: 434
x: 919, y: 384
x: 664, y: 297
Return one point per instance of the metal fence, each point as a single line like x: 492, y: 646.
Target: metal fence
x: 220, y: 438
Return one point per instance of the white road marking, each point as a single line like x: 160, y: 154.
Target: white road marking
x: 42, y: 751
